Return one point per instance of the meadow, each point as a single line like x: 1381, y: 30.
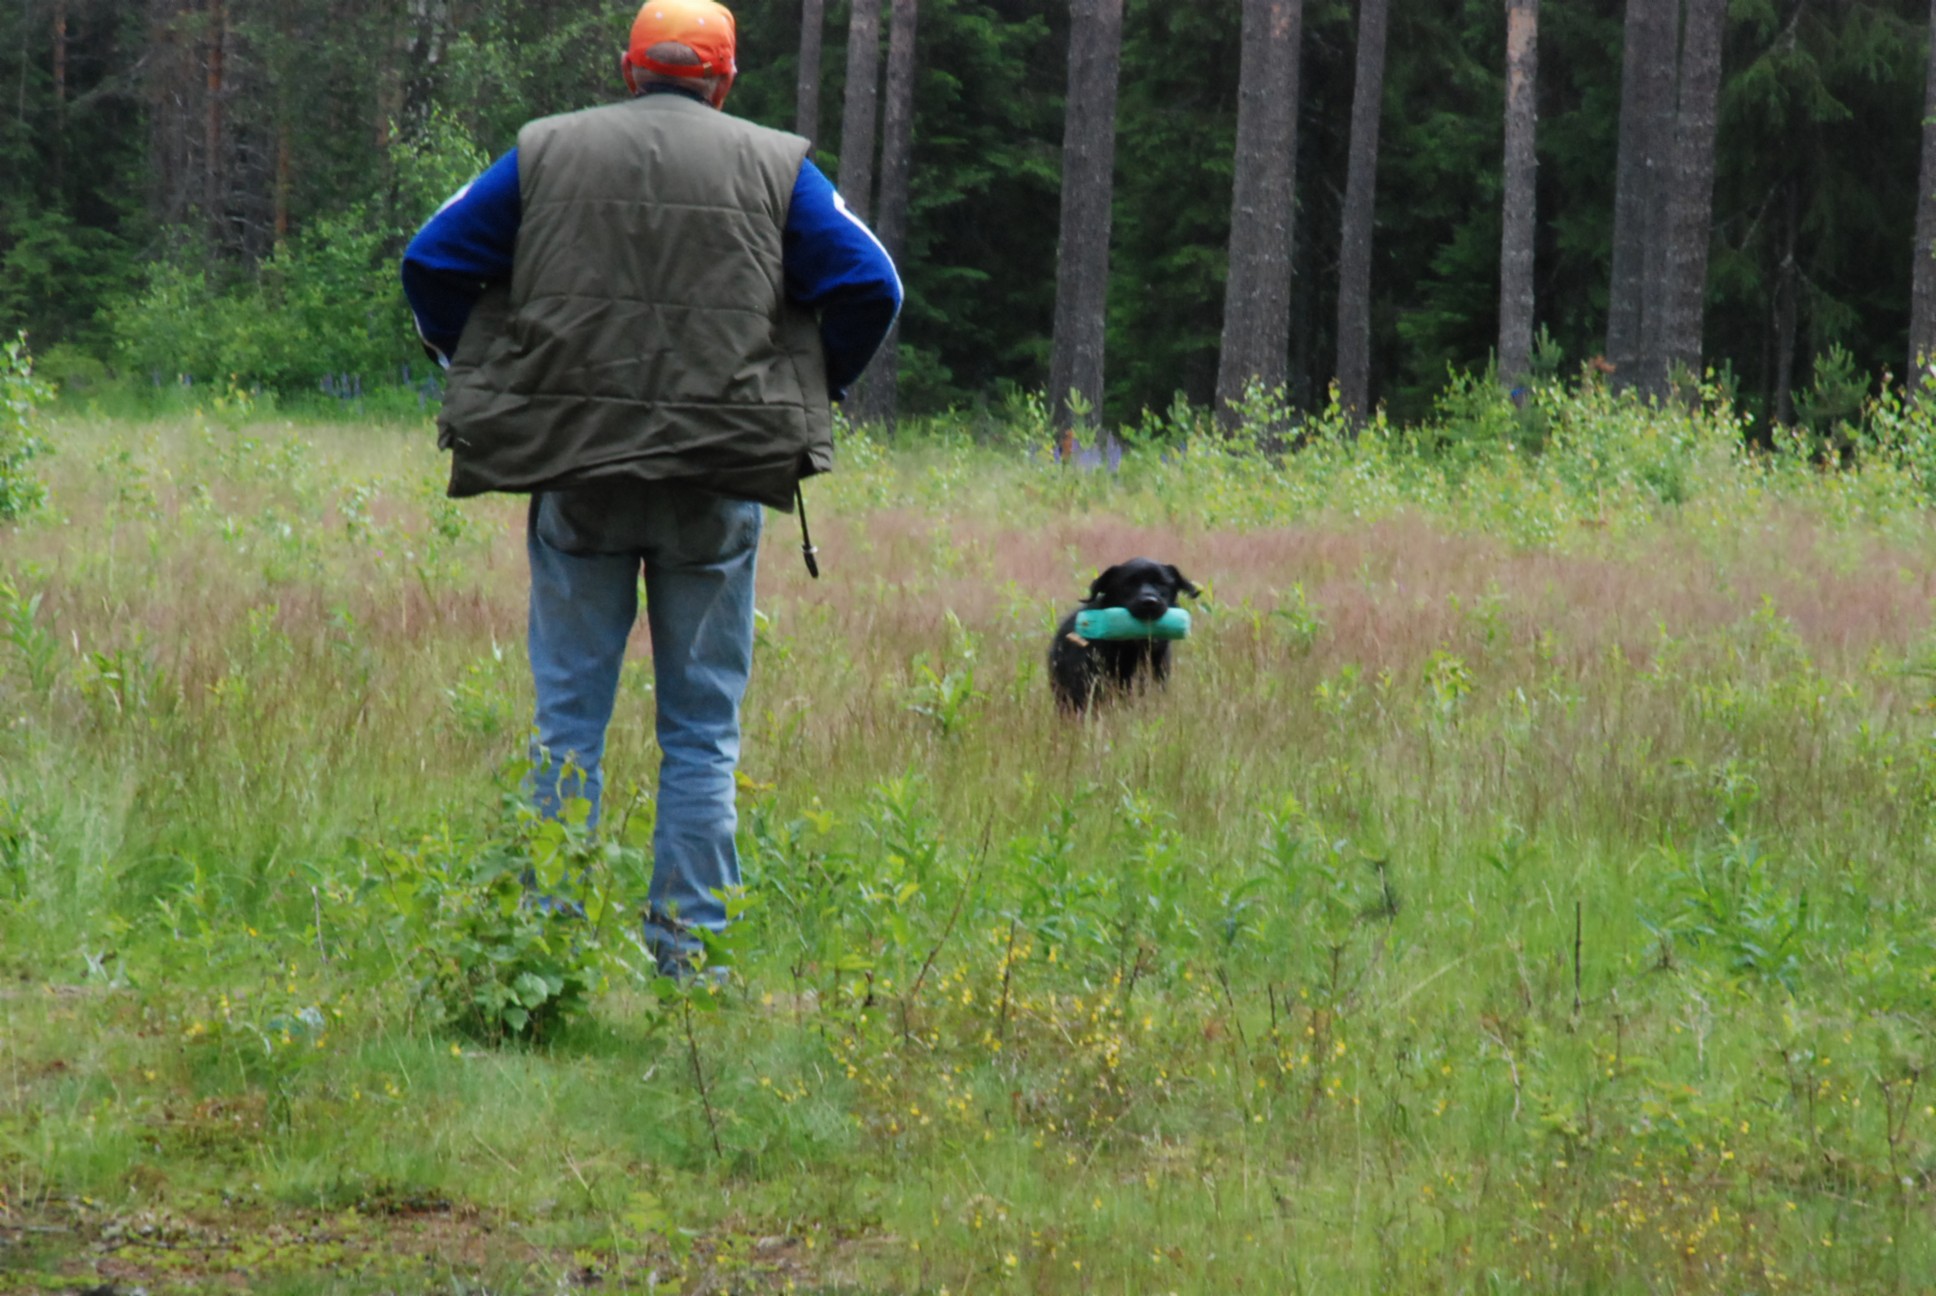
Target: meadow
x: 1523, y: 885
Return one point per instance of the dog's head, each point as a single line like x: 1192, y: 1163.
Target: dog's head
x: 1147, y: 588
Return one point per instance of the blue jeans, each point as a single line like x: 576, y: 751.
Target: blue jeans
x: 697, y: 552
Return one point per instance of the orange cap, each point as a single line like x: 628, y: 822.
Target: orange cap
x: 702, y: 26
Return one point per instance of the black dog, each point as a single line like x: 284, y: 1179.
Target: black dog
x: 1081, y: 669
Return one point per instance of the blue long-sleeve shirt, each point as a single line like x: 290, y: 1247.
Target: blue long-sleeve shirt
x: 833, y: 266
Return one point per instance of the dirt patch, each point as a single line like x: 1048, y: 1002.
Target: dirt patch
x: 387, y: 1244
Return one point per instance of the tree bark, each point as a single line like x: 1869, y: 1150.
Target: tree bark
x: 60, y: 53
x: 1257, y: 292
x: 428, y: 36
x: 170, y: 83
x: 856, y: 182
x: 1646, y: 97
x: 1689, y: 205
x: 879, y: 388
x: 212, y: 121
x: 1922, y: 309
x: 392, y: 20
x: 1304, y: 386
x: 1517, y: 207
x: 897, y: 129
x: 1360, y: 188
x: 1088, y: 182
x: 806, y: 86
x: 284, y: 180
x: 285, y: 115
x: 1786, y: 274
x: 59, y: 141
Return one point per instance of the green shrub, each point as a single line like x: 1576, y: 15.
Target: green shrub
x: 68, y: 369
x: 437, y: 161
x: 322, y: 304
x: 493, y: 960
x: 1474, y: 420
x: 21, y: 395
x: 1899, y: 428
x: 1832, y: 404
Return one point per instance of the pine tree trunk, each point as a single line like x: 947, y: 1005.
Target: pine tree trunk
x: 1689, y: 205
x: 897, y: 129
x: 1786, y: 274
x: 23, y: 59
x: 58, y: 144
x: 1922, y: 310
x: 170, y: 82
x: 285, y: 167
x: 60, y: 53
x: 1646, y: 97
x: 879, y: 388
x: 1257, y: 292
x: 430, y: 29
x: 212, y: 206
x: 390, y: 19
x: 250, y: 126
x: 1516, y: 215
x: 285, y: 144
x: 1088, y: 182
x: 1303, y: 386
x: 806, y: 86
x: 856, y: 181
x: 1360, y: 186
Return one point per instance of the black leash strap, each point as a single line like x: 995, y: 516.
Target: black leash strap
x: 807, y: 551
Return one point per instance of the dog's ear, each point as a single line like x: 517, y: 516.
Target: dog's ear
x: 1183, y: 582
x: 1097, y: 585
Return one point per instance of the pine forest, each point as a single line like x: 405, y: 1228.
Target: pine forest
x: 216, y: 190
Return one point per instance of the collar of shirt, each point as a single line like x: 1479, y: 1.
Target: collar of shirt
x: 660, y: 87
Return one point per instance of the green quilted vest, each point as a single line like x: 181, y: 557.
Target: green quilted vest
x: 645, y: 333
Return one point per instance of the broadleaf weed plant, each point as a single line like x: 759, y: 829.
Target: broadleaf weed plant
x: 34, y: 651
x: 507, y: 936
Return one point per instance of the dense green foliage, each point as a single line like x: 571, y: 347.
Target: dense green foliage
x: 1522, y: 886
x: 126, y: 242
x: 21, y: 396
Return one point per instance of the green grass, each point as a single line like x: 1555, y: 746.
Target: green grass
x: 1523, y: 885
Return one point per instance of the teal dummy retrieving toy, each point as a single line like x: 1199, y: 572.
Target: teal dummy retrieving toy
x: 1117, y: 623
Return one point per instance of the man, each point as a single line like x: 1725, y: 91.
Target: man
x: 644, y: 310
